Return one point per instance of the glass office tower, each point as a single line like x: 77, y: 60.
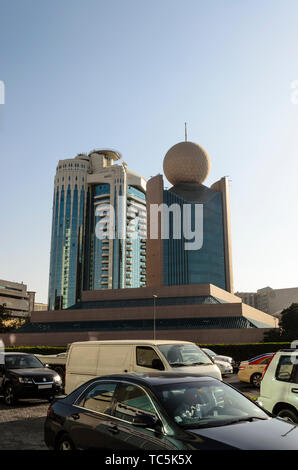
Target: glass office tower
x: 115, y: 244
x: 67, y: 232
x: 85, y: 188
x: 207, y: 264
x: 186, y: 166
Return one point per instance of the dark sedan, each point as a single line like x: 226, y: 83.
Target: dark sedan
x: 24, y: 376
x: 163, y: 411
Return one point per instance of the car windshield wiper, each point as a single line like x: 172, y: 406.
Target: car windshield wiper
x: 179, y: 364
x: 217, y: 424
x: 201, y: 363
x: 248, y: 418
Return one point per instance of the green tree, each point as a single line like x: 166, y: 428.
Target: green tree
x: 288, y: 326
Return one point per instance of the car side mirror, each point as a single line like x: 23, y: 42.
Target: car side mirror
x: 47, y: 366
x: 157, y: 364
x: 146, y: 421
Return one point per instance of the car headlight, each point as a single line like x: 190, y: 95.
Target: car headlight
x: 57, y: 379
x: 25, y: 380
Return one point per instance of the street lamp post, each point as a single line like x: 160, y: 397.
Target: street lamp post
x: 154, y: 316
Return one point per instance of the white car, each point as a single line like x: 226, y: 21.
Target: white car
x: 225, y: 367
x: 223, y: 362
x: 279, y: 386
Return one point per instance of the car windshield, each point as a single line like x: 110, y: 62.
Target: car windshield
x: 179, y: 355
x: 204, y: 404
x: 19, y: 361
x: 208, y: 351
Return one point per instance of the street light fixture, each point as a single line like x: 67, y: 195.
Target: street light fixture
x: 154, y: 316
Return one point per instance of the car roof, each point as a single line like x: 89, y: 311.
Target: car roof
x: 293, y: 351
x: 134, y: 341
x: 8, y: 353
x: 158, y: 378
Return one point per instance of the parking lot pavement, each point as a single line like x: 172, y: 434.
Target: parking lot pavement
x: 242, y: 386
x: 21, y: 426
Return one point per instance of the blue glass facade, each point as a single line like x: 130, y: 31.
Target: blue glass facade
x: 207, y: 264
x: 119, y: 262
x: 65, y: 281
x: 80, y: 259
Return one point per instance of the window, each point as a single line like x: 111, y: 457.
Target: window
x: 146, y: 357
x: 99, y: 397
x: 266, y: 361
x: 206, y: 404
x: 132, y: 401
x: 285, y: 368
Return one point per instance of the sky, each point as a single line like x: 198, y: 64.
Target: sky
x: 126, y: 75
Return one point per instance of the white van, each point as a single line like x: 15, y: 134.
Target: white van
x: 89, y: 359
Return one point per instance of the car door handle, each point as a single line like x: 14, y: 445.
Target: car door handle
x: 113, y: 428
x: 75, y: 416
x: 294, y: 390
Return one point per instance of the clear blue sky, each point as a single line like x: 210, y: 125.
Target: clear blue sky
x: 126, y: 75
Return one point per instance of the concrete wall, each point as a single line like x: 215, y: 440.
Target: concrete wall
x: 250, y: 335
x: 170, y: 311
x: 160, y: 291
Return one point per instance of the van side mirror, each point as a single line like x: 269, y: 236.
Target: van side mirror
x: 157, y: 364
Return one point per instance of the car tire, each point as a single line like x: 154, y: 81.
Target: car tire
x: 9, y: 395
x: 255, y: 380
x: 289, y: 415
x: 65, y: 443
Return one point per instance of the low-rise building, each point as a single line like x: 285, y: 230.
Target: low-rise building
x: 16, y: 299
x: 271, y: 301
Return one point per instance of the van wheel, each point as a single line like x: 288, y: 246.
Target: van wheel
x: 9, y: 395
x: 288, y: 415
x: 65, y: 443
x: 256, y: 380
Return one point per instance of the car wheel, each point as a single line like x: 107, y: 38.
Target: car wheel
x: 288, y: 415
x: 256, y: 380
x: 66, y: 443
x: 9, y: 395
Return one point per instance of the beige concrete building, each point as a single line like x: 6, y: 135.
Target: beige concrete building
x: 201, y: 313
x: 271, y: 301
x: 39, y: 307
x: 16, y: 299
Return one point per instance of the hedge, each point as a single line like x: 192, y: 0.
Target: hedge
x: 240, y: 352
x: 36, y: 349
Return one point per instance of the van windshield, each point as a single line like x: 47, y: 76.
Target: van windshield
x: 179, y: 355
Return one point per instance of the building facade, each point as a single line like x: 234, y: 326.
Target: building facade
x: 69, y: 206
x: 271, y: 301
x: 201, y: 313
x: 16, y: 300
x: 98, y: 228
x: 206, y: 213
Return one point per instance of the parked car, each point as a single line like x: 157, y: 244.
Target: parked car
x: 219, y: 357
x: 24, y: 376
x: 251, y: 371
x: 222, y: 362
x: 55, y: 361
x: 279, y: 386
x: 163, y: 411
x: 95, y: 358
